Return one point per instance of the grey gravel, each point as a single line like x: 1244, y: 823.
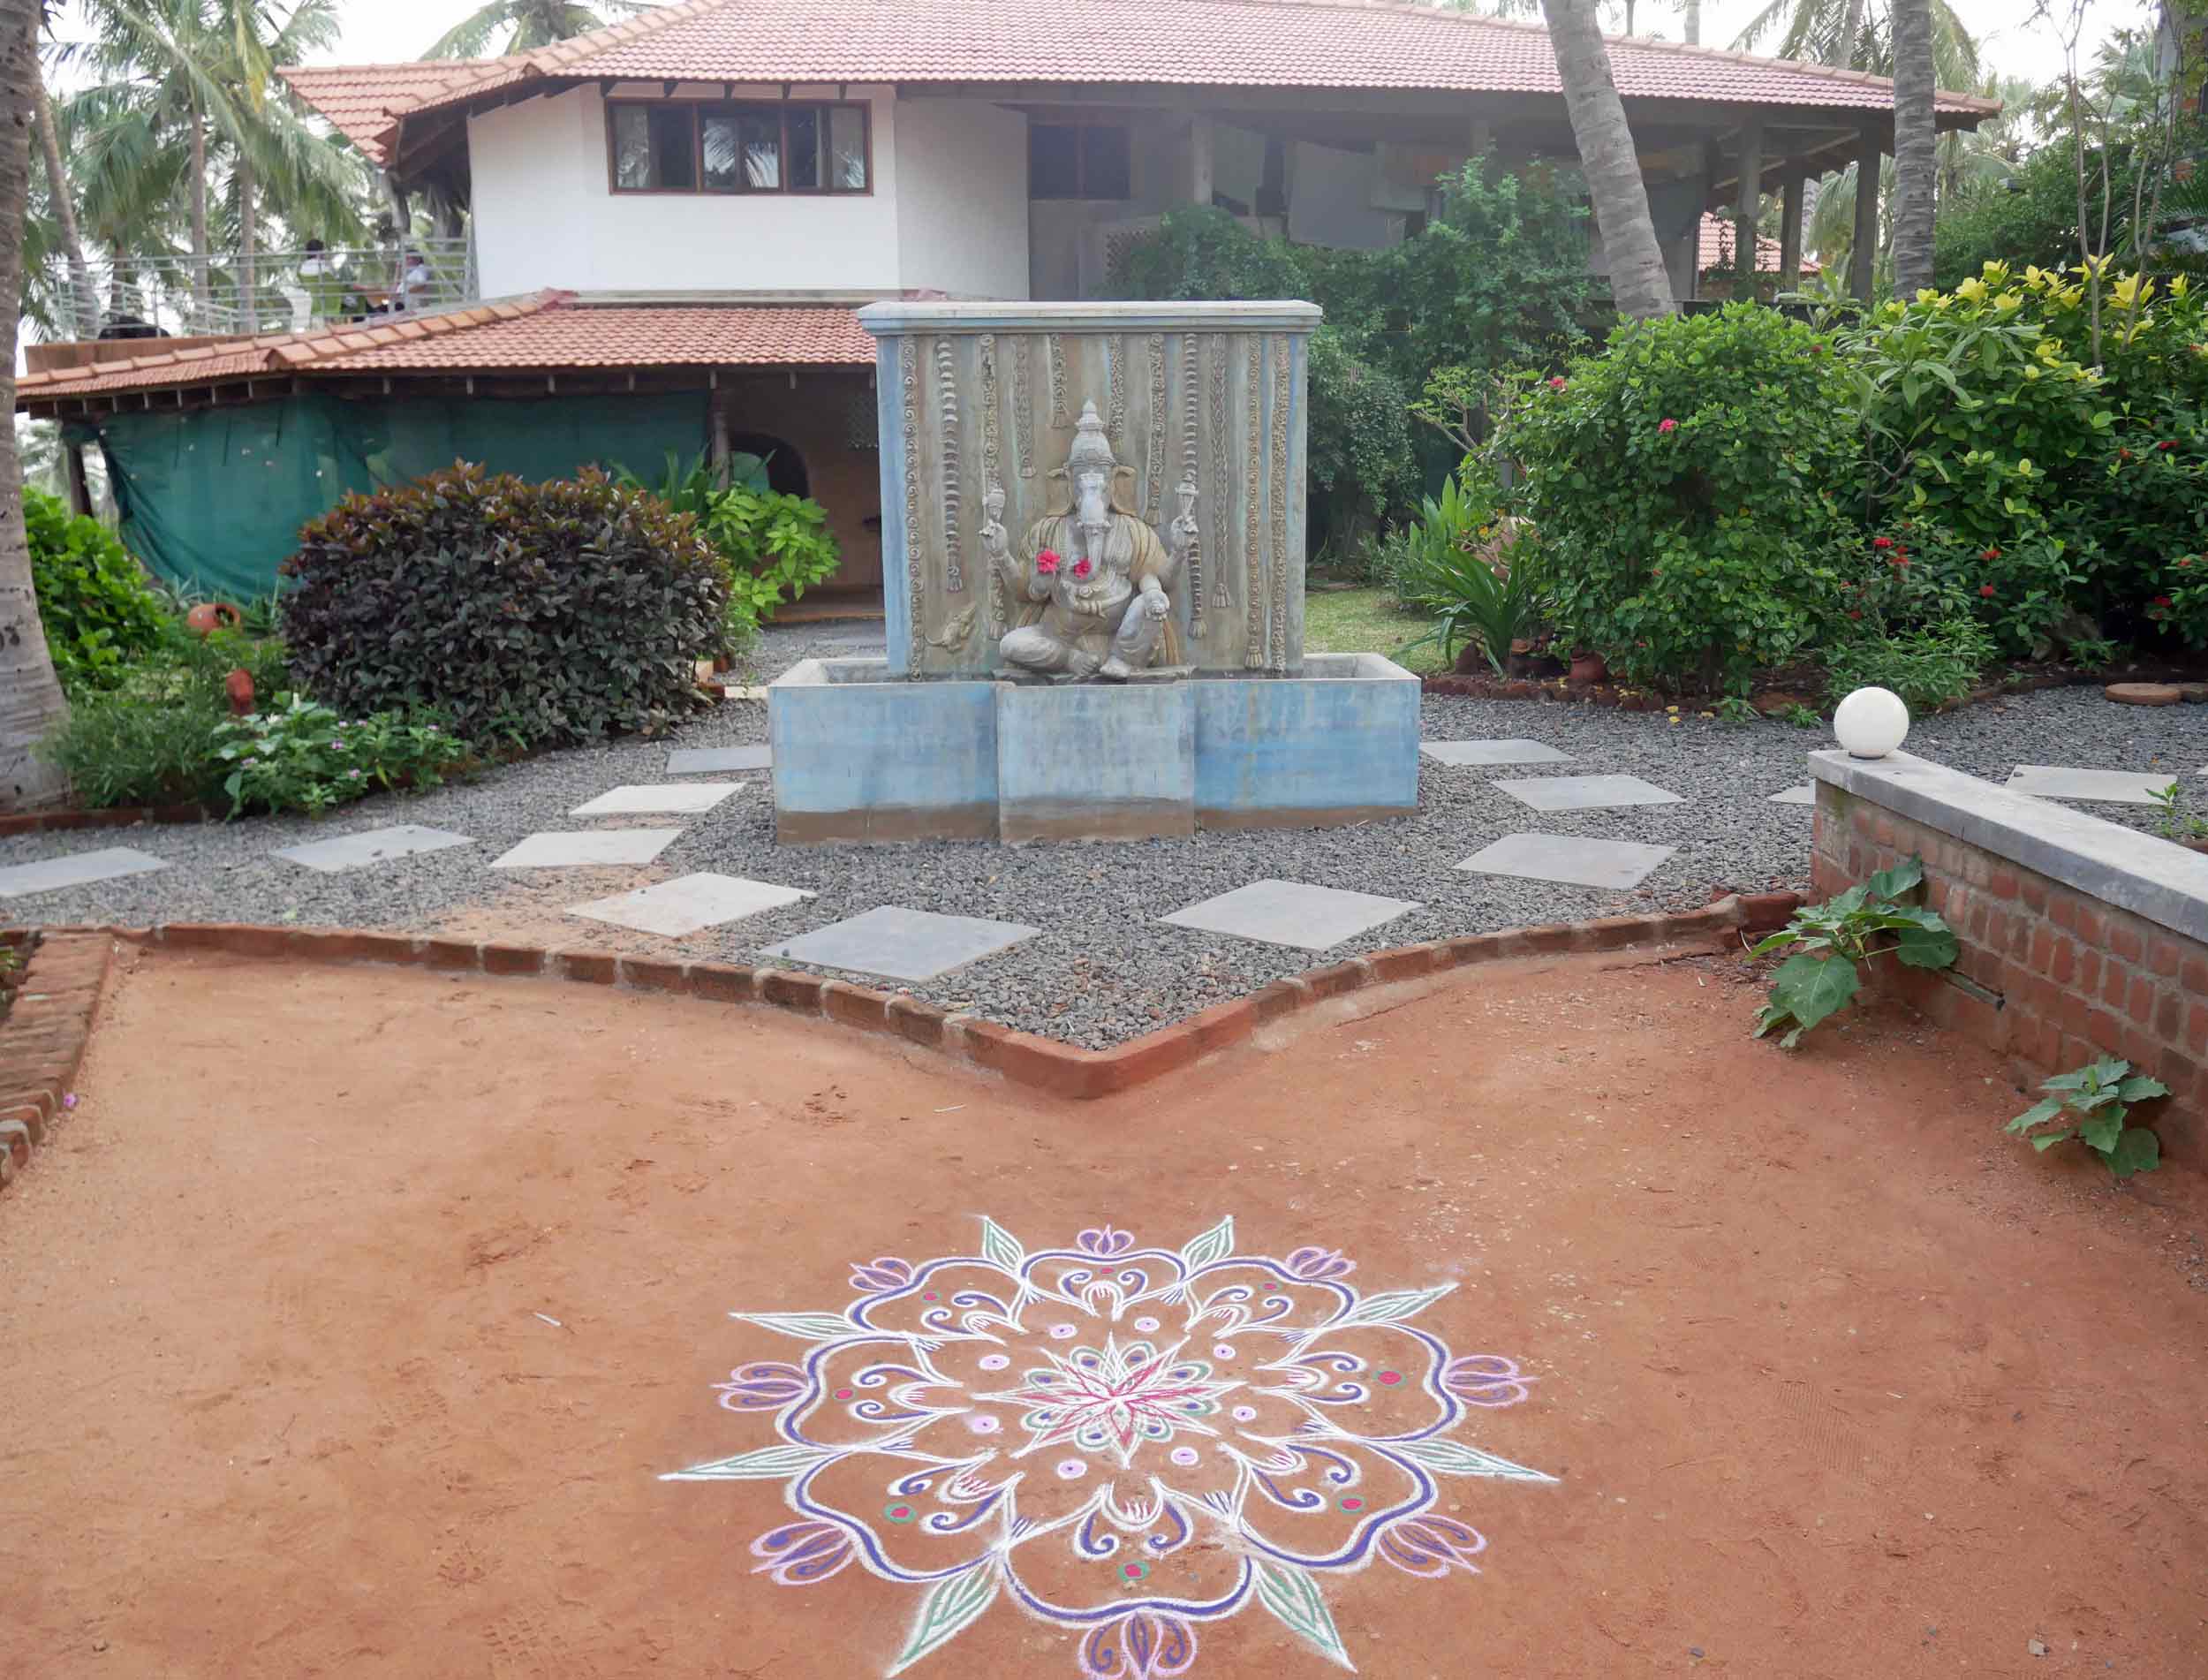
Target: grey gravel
x: 1103, y: 969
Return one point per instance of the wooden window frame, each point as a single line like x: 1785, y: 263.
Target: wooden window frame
x: 1077, y: 123
x: 733, y: 108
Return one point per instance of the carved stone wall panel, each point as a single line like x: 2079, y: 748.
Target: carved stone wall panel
x: 1210, y: 393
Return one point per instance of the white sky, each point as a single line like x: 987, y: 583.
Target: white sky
x: 385, y: 30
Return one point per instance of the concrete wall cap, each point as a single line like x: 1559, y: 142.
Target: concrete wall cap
x: 889, y: 320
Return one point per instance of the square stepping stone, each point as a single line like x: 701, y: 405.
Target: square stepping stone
x: 665, y: 798
x: 1806, y: 794
x: 572, y: 850
x: 902, y: 944
x: 2112, y: 787
x: 1288, y: 912
x: 688, y: 903
x: 1493, y: 753
x: 79, y: 869
x: 1585, y: 792
x: 1571, y: 859
x: 701, y: 761
x: 371, y: 845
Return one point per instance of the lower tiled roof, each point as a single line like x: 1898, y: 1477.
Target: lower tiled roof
x: 1717, y: 248
x: 545, y: 332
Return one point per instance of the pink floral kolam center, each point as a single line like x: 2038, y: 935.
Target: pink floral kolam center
x: 1130, y: 1442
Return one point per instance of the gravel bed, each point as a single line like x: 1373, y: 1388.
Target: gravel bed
x: 1102, y: 969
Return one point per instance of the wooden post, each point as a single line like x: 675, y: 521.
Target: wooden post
x: 1748, y: 207
x: 720, y: 441
x: 1199, y: 158
x: 79, y: 489
x: 1790, y: 198
x: 1483, y: 136
x: 1863, y: 258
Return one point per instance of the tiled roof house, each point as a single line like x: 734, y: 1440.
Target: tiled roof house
x: 695, y: 200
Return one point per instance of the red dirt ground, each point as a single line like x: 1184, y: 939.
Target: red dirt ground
x: 1835, y: 1381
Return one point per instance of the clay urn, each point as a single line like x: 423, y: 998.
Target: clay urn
x: 1588, y: 668
x: 238, y: 686
x: 211, y: 616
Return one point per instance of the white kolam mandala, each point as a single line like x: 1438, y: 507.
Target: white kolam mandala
x: 1128, y: 1442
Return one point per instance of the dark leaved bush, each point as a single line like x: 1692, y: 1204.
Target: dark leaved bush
x: 537, y: 614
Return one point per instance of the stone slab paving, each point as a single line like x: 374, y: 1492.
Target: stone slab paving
x: 1512, y: 751
x: 1585, y: 792
x: 903, y: 944
x: 704, y: 761
x: 688, y: 903
x: 660, y: 799
x: 1806, y: 794
x: 77, y: 869
x: 371, y: 846
x: 1290, y: 912
x: 1569, y: 859
x: 2115, y: 787
x: 570, y: 850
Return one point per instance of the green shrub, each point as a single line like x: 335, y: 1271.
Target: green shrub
x: 98, y: 610
x: 1361, y: 467
x: 1458, y: 564
x: 542, y: 614
x: 2183, y: 610
x: 1928, y: 667
x: 152, y: 740
x: 1203, y: 254
x: 302, y: 756
x: 772, y: 543
x: 1680, y: 484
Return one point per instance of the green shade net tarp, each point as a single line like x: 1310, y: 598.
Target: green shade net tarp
x: 212, y: 499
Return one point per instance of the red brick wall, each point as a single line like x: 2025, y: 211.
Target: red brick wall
x: 2050, y: 976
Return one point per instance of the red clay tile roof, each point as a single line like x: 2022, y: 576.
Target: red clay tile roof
x: 1717, y: 248
x: 1235, y: 43
x: 545, y: 332
x: 360, y: 101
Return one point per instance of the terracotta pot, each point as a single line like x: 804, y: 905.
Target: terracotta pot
x: 210, y: 615
x: 1590, y: 668
x: 238, y: 686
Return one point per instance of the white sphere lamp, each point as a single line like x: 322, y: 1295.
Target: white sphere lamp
x: 1871, y: 722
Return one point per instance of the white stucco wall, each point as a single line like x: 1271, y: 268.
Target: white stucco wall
x: 547, y: 215
x: 961, y: 198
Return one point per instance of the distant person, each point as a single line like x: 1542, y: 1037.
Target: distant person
x: 320, y: 295
x: 416, y: 282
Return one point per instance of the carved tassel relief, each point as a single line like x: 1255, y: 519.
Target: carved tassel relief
x: 908, y: 394
x: 1222, y: 597
x: 1024, y: 403
x: 1154, y: 458
x: 1060, y: 421
x: 947, y: 403
x: 1252, y: 486
x: 1283, y: 368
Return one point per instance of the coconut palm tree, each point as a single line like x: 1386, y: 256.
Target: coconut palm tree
x: 31, y: 700
x: 1608, y: 159
x: 84, y: 299
x: 523, y: 26
x: 1916, y: 146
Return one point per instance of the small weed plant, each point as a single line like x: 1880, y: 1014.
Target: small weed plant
x: 1831, y: 940
x: 2178, y: 822
x: 305, y: 757
x: 2092, y: 1104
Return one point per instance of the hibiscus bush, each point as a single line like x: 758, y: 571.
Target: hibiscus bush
x: 1681, y: 489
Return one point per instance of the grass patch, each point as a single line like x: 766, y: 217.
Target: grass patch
x: 1366, y: 621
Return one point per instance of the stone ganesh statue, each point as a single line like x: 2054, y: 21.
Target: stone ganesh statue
x: 1090, y: 599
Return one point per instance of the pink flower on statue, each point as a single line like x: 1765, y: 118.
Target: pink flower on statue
x: 1081, y: 568
x: 1668, y: 426
x: 1046, y: 561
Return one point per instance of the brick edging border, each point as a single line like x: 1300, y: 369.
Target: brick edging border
x: 1024, y: 1058
x: 42, y: 1038
x: 120, y: 816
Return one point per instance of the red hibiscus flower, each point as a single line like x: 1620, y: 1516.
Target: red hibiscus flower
x: 1556, y: 384
x: 1986, y: 590
x: 2166, y: 444
x: 1990, y: 554
x: 1668, y: 426
x: 1046, y: 561
x: 1882, y: 542
x: 2161, y: 601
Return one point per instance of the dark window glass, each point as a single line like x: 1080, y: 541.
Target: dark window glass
x: 1106, y: 171
x: 1054, y: 161
x: 717, y: 145
x: 803, y: 126
x: 674, y: 161
x: 673, y: 147
x: 631, y: 148
x: 847, y: 148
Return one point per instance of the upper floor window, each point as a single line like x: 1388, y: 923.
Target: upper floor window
x: 1079, y: 161
x: 678, y: 146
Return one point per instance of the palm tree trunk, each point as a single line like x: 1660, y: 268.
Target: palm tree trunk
x: 1916, y: 146
x: 84, y: 299
x: 1691, y: 12
x: 1637, y: 280
x: 203, y: 306
x: 31, y: 700
x: 247, y: 306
